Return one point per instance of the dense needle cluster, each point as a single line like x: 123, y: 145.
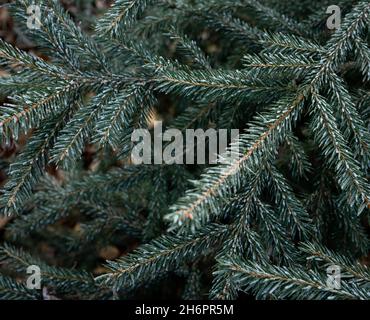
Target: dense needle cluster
x: 269, y: 223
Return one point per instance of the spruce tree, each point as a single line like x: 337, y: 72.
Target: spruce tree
x: 294, y: 204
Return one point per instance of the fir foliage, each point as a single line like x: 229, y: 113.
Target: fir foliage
x: 268, y: 223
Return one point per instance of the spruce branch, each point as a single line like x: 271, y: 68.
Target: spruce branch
x: 121, y: 15
x: 29, y: 167
x: 12, y: 290
x: 161, y: 254
x: 210, y: 187
x: 267, y: 281
x: 62, y: 278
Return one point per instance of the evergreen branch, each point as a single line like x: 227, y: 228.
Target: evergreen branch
x: 118, y: 114
x: 213, y: 186
x: 28, y: 111
x: 277, y: 64
x: 352, y: 126
x: 274, y: 233
x: 282, y: 282
x: 318, y: 252
x: 189, y: 49
x: 232, y: 28
x: 12, y: 290
x: 26, y: 171
x: 291, y: 210
x: 215, y: 182
x: 58, y: 33
x: 289, y: 44
x: 335, y: 149
x: 214, y: 85
x: 62, y: 278
x: 121, y: 15
x: 14, y: 55
x: 299, y: 162
x: 291, y: 87
x: 161, y: 254
x: 272, y: 17
x: 363, y: 56
x: 70, y: 142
